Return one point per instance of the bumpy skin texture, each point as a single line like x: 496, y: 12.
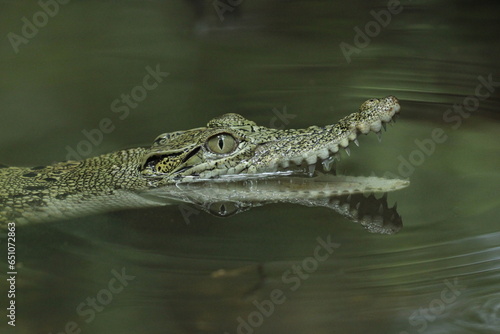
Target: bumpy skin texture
x: 230, y: 146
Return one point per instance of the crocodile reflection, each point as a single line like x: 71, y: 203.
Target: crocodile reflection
x: 351, y: 197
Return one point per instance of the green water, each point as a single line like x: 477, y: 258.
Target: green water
x: 204, y: 274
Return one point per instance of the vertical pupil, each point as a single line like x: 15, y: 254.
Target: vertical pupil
x: 221, y: 142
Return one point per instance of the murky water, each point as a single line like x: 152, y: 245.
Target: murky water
x: 276, y: 268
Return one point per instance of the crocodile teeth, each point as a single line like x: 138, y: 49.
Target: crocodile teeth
x: 312, y: 168
x: 328, y: 163
x: 328, y: 156
x: 384, y: 125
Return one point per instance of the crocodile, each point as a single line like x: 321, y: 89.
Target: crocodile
x: 230, y: 148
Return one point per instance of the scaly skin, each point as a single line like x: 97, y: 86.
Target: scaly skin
x: 229, y: 147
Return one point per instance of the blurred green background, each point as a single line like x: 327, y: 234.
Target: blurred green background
x: 261, y: 58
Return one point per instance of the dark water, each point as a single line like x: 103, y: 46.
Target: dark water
x: 439, y: 274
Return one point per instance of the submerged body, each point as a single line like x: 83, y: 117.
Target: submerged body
x: 229, y: 147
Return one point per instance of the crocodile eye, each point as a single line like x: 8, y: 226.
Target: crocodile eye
x: 223, y: 143
x: 223, y: 209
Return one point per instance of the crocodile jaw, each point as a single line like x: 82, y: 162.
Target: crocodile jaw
x: 323, y: 144
x: 260, y: 151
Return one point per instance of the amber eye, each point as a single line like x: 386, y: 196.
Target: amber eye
x: 222, y: 143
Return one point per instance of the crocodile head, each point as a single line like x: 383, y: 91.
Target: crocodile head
x: 232, y: 146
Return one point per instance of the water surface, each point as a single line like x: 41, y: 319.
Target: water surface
x: 196, y: 273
